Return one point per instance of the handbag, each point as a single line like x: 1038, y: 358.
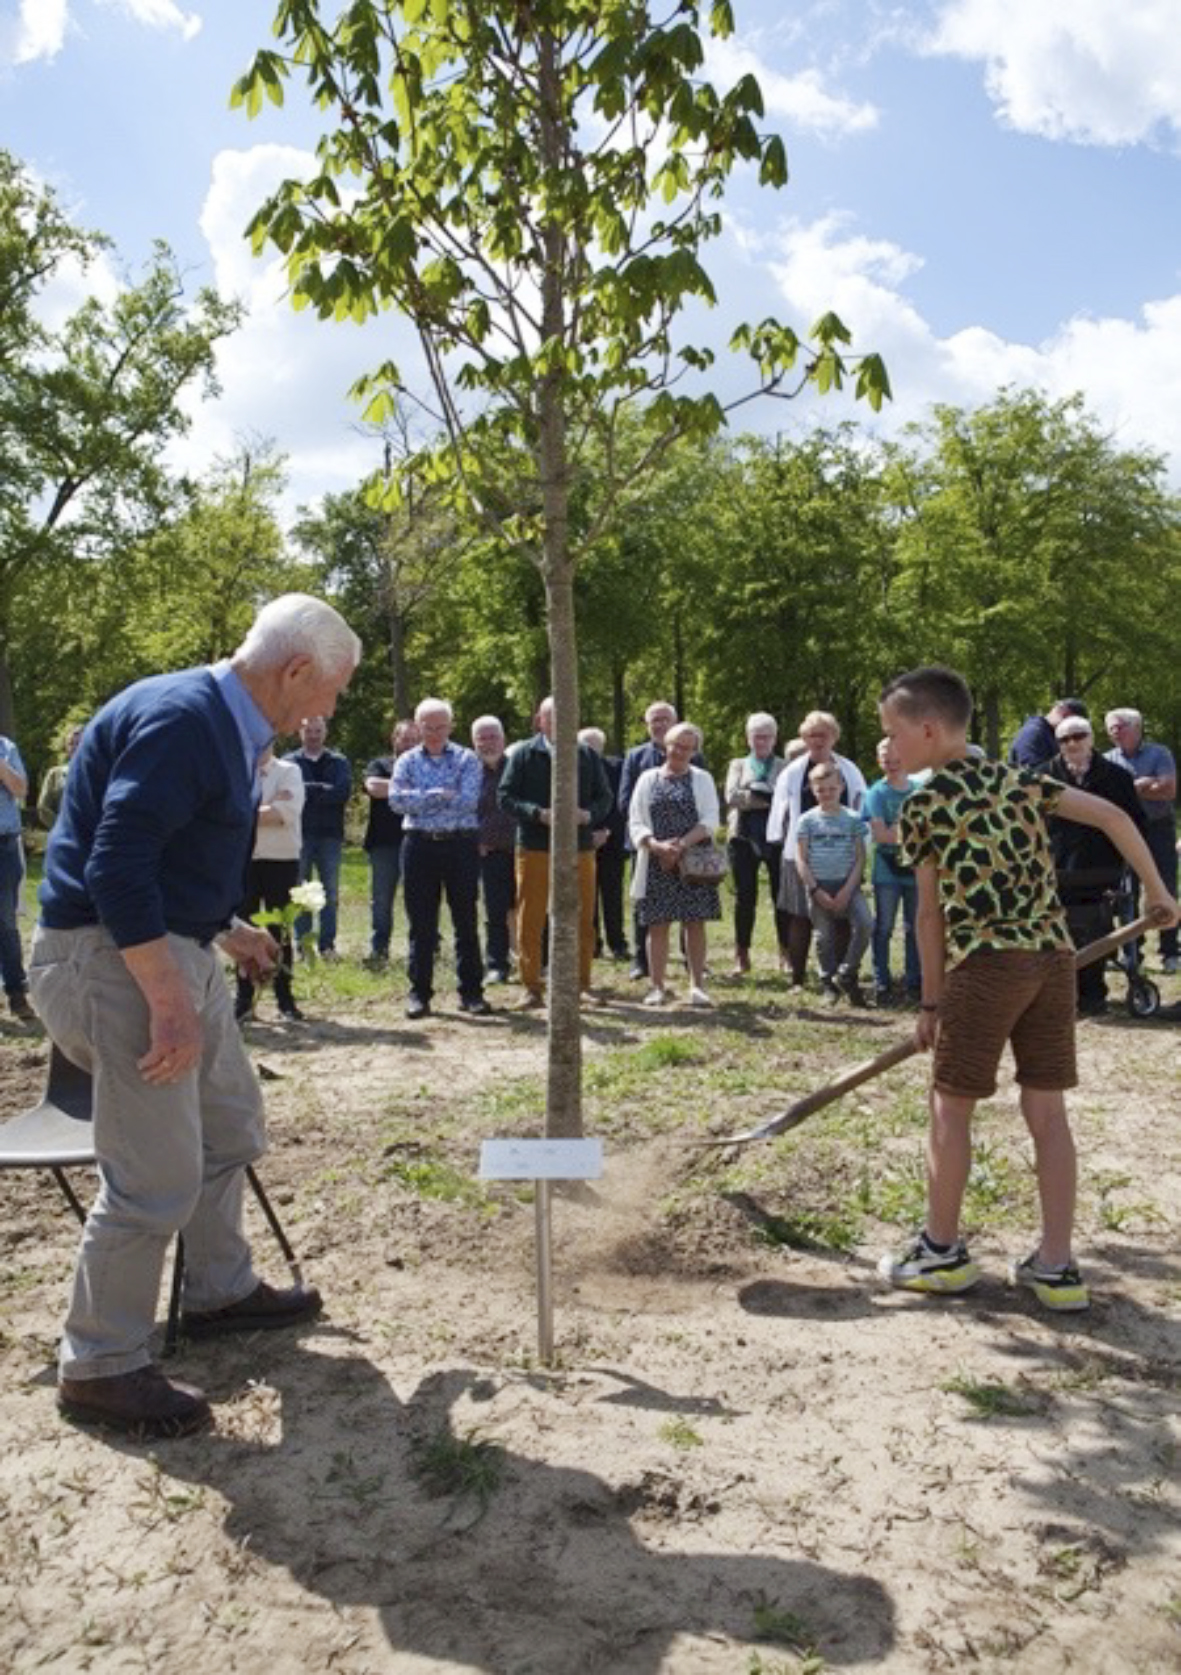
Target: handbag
x: 704, y: 863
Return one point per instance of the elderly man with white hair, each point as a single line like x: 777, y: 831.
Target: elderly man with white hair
x: 1155, y: 775
x: 750, y: 787
x: 143, y: 871
x: 436, y: 788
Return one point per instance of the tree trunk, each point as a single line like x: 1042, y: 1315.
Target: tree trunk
x: 563, y: 1099
x: 678, y: 664
x: 7, y: 710
x: 398, y: 671
x: 618, y: 708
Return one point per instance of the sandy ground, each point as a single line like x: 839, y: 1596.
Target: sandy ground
x: 745, y: 1460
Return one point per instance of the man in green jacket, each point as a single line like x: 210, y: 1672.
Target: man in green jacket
x: 525, y: 793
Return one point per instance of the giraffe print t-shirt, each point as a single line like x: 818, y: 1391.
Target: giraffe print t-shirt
x: 983, y: 824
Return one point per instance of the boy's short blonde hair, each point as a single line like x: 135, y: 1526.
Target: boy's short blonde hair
x: 823, y: 770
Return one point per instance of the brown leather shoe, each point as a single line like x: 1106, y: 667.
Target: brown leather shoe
x: 142, y: 1404
x: 264, y: 1310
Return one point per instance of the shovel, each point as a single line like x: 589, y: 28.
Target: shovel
x: 901, y: 1051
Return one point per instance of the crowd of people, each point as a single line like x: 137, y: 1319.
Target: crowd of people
x: 453, y: 823
x: 174, y: 781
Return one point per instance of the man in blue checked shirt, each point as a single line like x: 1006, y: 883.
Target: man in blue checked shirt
x: 14, y: 785
x: 436, y: 788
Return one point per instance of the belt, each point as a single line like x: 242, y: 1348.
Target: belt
x: 443, y: 837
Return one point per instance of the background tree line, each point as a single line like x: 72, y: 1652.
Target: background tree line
x: 1016, y: 541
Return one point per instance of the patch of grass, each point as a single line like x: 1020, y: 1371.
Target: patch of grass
x: 470, y: 1464
x: 810, y: 1230
x: 430, y: 1176
x: 680, y: 1434
x: 784, y: 1628
x: 996, y: 1186
x: 989, y: 1399
x: 899, y: 1193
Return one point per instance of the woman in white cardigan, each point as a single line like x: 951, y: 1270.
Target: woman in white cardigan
x: 673, y: 807
x: 820, y: 731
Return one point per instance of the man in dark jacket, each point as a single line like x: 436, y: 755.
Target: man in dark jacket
x: 327, y: 782
x: 1088, y: 863
x: 1034, y: 741
x: 142, y: 875
x: 609, y: 855
x: 525, y: 793
x: 383, y: 843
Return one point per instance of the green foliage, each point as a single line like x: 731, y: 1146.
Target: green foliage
x: 471, y: 1464
x: 679, y: 1434
x: 86, y: 413
x: 990, y: 1399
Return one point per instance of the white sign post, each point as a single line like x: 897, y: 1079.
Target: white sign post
x: 542, y: 1162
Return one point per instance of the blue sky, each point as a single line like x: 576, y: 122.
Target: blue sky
x: 986, y: 190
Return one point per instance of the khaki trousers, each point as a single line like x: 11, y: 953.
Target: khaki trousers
x: 170, y: 1159
x: 533, y: 909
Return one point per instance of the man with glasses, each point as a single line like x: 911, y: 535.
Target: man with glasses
x: 1087, y: 862
x: 436, y: 787
x: 1155, y: 775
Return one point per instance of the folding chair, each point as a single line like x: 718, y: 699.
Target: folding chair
x: 58, y: 1135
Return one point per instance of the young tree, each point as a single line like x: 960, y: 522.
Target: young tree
x: 532, y: 182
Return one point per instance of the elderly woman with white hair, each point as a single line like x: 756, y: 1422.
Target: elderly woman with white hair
x: 793, y: 796
x: 674, y: 807
x: 750, y: 787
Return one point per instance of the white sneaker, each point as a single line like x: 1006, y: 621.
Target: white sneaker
x: 698, y: 997
x: 656, y: 997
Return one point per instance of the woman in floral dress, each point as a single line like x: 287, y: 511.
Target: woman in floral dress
x: 673, y: 808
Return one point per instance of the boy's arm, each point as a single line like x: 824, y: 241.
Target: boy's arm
x: 931, y: 937
x: 1115, y: 824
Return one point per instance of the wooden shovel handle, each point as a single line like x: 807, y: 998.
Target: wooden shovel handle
x: 903, y: 1050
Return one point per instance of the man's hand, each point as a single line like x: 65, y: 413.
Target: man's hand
x: 174, y: 1029
x: 584, y: 817
x: 600, y: 837
x: 253, y: 950
x: 824, y: 900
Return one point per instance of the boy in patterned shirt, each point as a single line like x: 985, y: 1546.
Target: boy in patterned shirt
x: 998, y: 965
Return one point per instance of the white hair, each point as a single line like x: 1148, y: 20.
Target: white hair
x: 1074, y: 724
x: 434, y: 706
x: 760, y: 722
x: 483, y: 721
x: 660, y: 704
x: 595, y: 737
x: 1132, y: 718
x: 296, y: 625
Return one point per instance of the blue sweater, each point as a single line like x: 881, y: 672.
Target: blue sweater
x: 158, y: 816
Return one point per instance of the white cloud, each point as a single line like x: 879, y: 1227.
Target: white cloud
x: 40, y: 27
x: 1127, y: 369
x: 284, y: 374
x: 800, y: 100
x: 159, y: 14
x: 37, y: 31
x: 1106, y: 72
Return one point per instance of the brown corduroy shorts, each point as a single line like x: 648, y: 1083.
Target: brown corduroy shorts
x: 1007, y: 994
